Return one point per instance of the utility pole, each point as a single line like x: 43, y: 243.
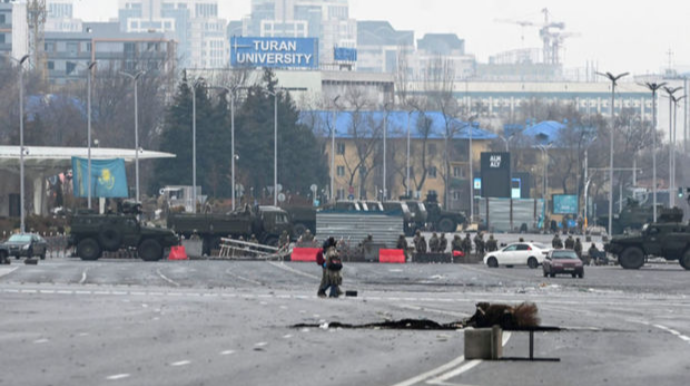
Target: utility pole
x: 671, y: 102
x: 654, y: 87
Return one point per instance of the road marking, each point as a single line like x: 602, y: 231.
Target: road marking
x: 674, y: 332
x: 117, y: 377
x: 261, y: 344
x: 292, y: 270
x: 228, y: 271
x: 40, y: 341
x: 227, y: 352
x: 288, y: 336
x: 180, y: 363
x: 442, y: 373
x: 83, y: 277
x: 176, y: 284
x: 7, y: 271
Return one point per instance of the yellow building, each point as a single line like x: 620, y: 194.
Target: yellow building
x: 359, y: 149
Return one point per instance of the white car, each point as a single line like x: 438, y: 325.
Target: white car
x: 529, y: 254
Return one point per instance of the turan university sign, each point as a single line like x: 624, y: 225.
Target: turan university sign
x: 274, y: 52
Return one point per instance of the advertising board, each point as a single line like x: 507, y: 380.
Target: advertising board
x: 565, y: 204
x: 274, y: 52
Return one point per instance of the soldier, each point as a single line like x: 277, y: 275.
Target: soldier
x: 308, y: 237
x: 433, y: 243
x: 557, y: 243
x: 479, y: 243
x: 253, y: 239
x: 442, y: 243
x: 421, y: 246
x: 456, y: 245
x: 570, y: 243
x: 333, y: 267
x: 491, y: 245
x: 195, y: 236
x: 467, y: 244
x: 284, y: 239
x: 402, y: 243
x: 321, y: 261
x: 578, y: 248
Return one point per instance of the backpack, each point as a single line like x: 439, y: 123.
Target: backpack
x: 334, y: 263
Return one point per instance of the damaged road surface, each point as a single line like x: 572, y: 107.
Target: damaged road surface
x: 218, y: 323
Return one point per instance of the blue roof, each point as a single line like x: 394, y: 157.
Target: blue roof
x: 367, y: 123
x: 545, y: 132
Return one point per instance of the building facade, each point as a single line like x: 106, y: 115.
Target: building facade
x: 60, y: 17
x: 68, y: 53
x: 14, y: 30
x: 201, y: 34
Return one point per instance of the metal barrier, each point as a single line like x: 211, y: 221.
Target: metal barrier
x: 242, y: 250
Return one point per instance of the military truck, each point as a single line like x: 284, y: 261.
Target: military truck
x: 92, y: 234
x: 633, y: 217
x: 442, y: 220
x: 420, y: 214
x: 669, y: 238
x: 302, y: 218
x: 267, y: 223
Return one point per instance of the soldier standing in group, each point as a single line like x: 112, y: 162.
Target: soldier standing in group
x: 402, y: 243
x: 479, y: 243
x: 433, y: 243
x: 557, y: 243
x: 456, y: 245
x: 253, y: 239
x: 442, y: 243
x: 578, y: 248
x: 308, y: 237
x: 491, y: 245
x: 467, y: 244
x: 570, y: 243
x: 421, y: 246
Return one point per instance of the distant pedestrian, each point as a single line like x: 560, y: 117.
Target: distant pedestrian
x: 421, y: 246
x: 433, y: 243
x: 479, y: 243
x: 491, y: 244
x: 333, y: 277
x: 467, y: 244
x: 321, y: 261
x: 578, y: 248
x: 557, y: 243
x: 570, y: 243
x: 402, y: 243
x: 442, y: 243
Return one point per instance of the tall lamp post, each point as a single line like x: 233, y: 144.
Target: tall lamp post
x: 408, y: 193
x: 194, y: 85
x: 135, y: 79
x: 614, y: 82
x: 88, y: 135
x: 673, y: 142
x: 22, y: 210
x: 654, y: 87
x: 385, y: 136
x: 232, y: 91
x: 333, y: 126
x: 671, y: 101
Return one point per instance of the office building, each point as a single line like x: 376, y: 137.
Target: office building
x: 60, y: 16
x: 14, y: 31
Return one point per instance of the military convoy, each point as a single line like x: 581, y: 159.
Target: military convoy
x: 266, y: 223
x: 668, y: 238
x: 92, y: 234
x: 632, y: 217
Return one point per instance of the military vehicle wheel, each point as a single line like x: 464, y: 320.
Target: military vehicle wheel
x: 685, y: 260
x: 43, y: 256
x: 110, y: 239
x: 299, y: 229
x: 532, y: 263
x: 150, y: 250
x: 632, y: 258
x: 89, y: 250
x: 447, y: 225
x: 492, y: 262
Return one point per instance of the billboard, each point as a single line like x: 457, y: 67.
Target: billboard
x: 565, y: 204
x: 274, y: 52
x: 341, y: 54
x: 496, y: 175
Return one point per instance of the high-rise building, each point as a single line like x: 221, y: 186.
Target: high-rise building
x: 60, y: 17
x: 327, y: 20
x: 201, y: 34
x: 14, y: 30
x: 383, y: 48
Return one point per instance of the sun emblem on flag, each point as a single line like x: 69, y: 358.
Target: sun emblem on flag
x: 106, y: 179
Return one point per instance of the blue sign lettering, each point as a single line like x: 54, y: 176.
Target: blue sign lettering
x: 274, y: 52
x: 345, y: 54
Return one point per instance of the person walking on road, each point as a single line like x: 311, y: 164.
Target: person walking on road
x: 321, y: 261
x: 333, y: 267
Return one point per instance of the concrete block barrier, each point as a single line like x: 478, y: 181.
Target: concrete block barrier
x: 391, y: 256
x: 484, y: 343
x: 304, y: 254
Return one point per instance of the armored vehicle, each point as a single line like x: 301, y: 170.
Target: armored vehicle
x: 442, y: 220
x: 401, y: 208
x: 668, y: 238
x: 267, y: 223
x: 633, y: 217
x: 92, y: 234
x: 420, y: 214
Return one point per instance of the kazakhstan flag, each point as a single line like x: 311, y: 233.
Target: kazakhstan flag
x: 108, y: 178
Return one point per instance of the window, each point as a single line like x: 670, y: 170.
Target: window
x: 457, y: 172
x: 432, y: 172
x: 51, y: 65
x: 340, y: 195
x: 340, y: 149
x: 340, y: 171
x: 2, y: 39
x: 69, y: 69
x: 456, y: 195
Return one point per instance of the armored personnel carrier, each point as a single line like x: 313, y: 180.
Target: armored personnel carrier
x: 668, y: 238
x: 92, y: 234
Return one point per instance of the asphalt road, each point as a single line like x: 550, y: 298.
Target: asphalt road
x: 68, y: 322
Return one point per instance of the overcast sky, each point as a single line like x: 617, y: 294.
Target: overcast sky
x: 619, y: 35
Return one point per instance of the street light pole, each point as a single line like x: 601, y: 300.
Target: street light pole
x: 22, y: 210
x: 275, y: 149
x: 135, y: 79
x: 671, y: 101
x: 654, y: 87
x: 385, y: 135
x: 196, y: 83
x: 673, y: 143
x: 88, y: 136
x: 408, y: 192
x: 614, y: 82
x: 333, y: 125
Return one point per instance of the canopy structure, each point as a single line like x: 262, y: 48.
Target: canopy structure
x: 41, y: 162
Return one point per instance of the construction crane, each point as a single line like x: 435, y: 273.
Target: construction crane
x: 551, y: 33
x: 36, y: 19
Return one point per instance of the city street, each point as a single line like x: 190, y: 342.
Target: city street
x: 126, y: 322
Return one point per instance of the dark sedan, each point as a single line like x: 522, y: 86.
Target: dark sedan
x: 563, y: 262
x: 25, y: 245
